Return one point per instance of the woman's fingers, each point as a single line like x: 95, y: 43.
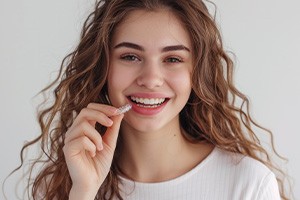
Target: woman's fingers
x: 84, y: 129
x: 89, y: 155
x: 94, y: 116
x: 107, y: 109
x: 78, y: 146
x: 84, y: 125
x: 111, y: 135
x: 87, y: 130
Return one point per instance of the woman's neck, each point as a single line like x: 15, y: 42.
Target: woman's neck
x: 158, y: 156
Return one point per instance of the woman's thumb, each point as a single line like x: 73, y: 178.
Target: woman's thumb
x: 111, y: 135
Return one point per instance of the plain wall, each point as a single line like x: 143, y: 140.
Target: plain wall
x: 264, y: 35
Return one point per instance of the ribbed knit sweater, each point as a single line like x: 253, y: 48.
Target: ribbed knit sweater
x: 220, y: 176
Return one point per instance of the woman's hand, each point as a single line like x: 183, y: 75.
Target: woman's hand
x: 88, y: 155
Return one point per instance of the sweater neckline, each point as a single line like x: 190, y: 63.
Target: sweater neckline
x: 176, y: 180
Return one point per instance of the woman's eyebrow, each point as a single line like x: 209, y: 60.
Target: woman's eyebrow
x: 140, y: 48
x: 130, y: 45
x: 175, y: 48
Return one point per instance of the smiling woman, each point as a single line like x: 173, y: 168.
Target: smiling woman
x: 182, y: 136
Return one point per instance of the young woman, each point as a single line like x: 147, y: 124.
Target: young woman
x: 184, y: 136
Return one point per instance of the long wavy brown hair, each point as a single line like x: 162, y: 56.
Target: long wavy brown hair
x: 212, y: 112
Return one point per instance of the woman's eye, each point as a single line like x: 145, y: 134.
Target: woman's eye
x: 173, y: 60
x: 129, y: 57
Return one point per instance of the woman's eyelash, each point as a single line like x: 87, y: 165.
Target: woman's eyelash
x: 133, y: 57
x: 129, y: 57
x: 174, y: 60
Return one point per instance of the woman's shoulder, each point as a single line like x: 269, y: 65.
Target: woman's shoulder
x: 238, y: 161
x: 242, y: 174
x: 238, y: 165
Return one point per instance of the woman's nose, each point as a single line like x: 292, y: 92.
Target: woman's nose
x: 151, y: 75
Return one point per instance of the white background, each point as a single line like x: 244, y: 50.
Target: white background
x: 264, y: 35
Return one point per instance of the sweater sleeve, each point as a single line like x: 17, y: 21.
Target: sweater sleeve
x: 268, y: 189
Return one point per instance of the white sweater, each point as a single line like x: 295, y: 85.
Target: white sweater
x: 221, y: 176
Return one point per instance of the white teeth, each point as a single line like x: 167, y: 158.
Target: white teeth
x: 146, y: 101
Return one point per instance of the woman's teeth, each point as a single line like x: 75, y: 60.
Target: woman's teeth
x: 148, y: 101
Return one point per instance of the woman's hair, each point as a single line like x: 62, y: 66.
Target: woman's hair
x: 211, y: 114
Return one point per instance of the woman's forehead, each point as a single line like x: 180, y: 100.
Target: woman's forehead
x: 162, y: 26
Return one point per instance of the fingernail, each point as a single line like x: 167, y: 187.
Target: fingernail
x: 100, y: 147
x: 109, y: 122
x: 113, y: 110
x: 93, y: 154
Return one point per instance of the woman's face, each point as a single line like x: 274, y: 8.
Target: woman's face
x: 150, y: 67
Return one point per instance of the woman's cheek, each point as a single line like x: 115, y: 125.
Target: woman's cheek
x: 183, y: 77
x: 119, y: 78
x: 122, y: 77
